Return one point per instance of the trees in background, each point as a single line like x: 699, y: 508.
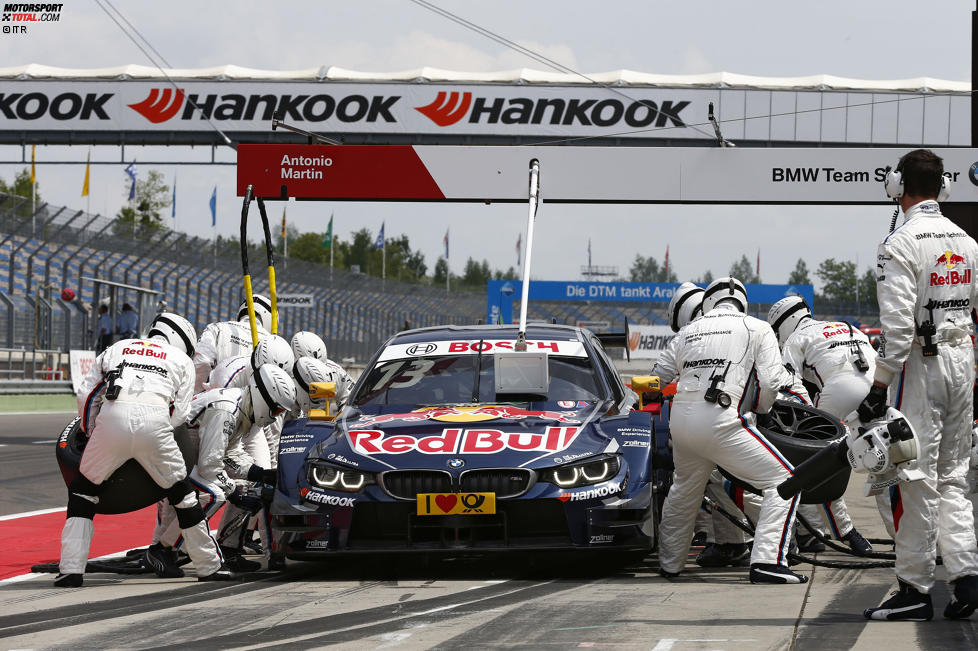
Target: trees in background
x: 142, y: 216
x: 648, y: 270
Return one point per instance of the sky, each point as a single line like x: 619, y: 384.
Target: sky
x: 757, y: 37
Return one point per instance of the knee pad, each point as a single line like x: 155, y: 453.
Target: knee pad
x: 82, y: 498
x: 189, y: 516
x: 179, y: 491
x: 81, y: 506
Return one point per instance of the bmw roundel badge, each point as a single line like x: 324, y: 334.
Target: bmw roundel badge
x: 456, y: 463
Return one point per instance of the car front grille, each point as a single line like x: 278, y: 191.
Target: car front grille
x: 504, y: 482
x: 406, y: 484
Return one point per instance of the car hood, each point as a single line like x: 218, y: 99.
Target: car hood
x: 481, y: 436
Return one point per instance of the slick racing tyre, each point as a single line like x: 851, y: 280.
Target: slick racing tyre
x: 798, y: 432
x: 129, y: 488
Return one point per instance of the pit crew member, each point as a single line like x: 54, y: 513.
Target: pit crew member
x: 927, y: 291
x: 839, y: 360
x: 223, y: 418
x: 144, y: 386
x: 716, y: 358
x: 224, y: 339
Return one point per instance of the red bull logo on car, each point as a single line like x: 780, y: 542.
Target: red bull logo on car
x: 463, y: 441
x: 469, y: 415
x: 953, y: 276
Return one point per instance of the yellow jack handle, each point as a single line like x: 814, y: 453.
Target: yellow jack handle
x: 643, y: 384
x: 325, y: 390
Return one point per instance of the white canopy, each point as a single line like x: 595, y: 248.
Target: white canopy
x: 621, y: 78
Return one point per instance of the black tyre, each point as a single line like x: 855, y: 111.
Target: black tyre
x: 129, y: 488
x: 798, y: 432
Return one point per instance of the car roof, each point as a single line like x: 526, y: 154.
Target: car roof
x: 466, y: 332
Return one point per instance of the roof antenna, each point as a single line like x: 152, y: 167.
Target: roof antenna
x: 534, y: 202
x: 721, y: 141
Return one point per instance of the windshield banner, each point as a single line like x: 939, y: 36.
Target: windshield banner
x: 476, y: 346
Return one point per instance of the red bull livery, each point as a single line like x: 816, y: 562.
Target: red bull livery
x: 564, y: 465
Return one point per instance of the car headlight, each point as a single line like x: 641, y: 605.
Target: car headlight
x: 584, y: 473
x: 336, y: 478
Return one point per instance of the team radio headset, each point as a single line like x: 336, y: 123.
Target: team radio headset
x: 893, y: 184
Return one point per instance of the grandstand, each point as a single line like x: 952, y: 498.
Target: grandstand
x: 64, y: 247
x: 60, y: 247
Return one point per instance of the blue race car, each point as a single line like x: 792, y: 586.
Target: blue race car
x: 452, y: 440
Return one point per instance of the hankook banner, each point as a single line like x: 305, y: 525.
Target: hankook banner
x: 486, y: 109
x: 586, y: 174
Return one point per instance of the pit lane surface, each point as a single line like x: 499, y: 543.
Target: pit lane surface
x: 552, y: 601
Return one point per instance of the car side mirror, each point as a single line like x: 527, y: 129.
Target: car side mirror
x: 642, y: 384
x: 325, y: 390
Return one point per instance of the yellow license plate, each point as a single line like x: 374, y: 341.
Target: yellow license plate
x: 456, y: 503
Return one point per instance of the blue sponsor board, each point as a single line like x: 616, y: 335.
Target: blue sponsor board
x: 502, y: 293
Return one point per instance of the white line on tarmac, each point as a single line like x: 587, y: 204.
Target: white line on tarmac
x: 37, y: 413
x: 44, y: 442
x: 27, y: 514
x: 34, y: 575
x: 666, y: 644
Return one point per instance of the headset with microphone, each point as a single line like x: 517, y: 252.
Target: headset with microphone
x: 893, y: 185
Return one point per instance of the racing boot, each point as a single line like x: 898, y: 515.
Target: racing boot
x: 965, y: 599
x: 238, y: 563
x: 76, y: 580
x: 776, y: 574
x: 906, y: 604
x: 723, y: 555
x: 223, y: 573
x: 163, y: 561
x: 809, y: 544
x: 859, y: 545
x: 699, y: 539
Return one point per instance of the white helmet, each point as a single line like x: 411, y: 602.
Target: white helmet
x: 686, y: 305
x: 724, y: 289
x: 308, y: 344
x: 786, y: 315
x: 176, y: 330
x: 272, y: 392
x: 308, y: 370
x: 273, y: 350
x: 263, y: 311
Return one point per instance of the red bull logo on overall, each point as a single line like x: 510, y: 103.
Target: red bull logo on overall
x: 952, y: 276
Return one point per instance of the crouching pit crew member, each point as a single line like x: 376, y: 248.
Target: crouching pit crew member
x: 926, y: 291
x: 144, y: 388
x: 839, y: 361
x: 224, y: 419
x: 713, y: 423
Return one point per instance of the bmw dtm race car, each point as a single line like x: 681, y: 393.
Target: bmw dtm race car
x: 452, y: 441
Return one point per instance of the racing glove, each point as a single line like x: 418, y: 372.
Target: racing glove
x: 765, y: 420
x: 873, y: 405
x: 250, y: 503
